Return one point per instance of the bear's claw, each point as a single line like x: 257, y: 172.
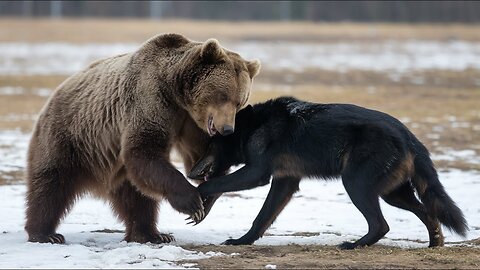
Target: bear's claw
x: 197, y: 217
x: 165, y: 238
x: 56, y: 238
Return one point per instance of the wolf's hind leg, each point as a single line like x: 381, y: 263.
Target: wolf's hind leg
x: 404, y: 197
x: 365, y: 198
x: 280, y: 194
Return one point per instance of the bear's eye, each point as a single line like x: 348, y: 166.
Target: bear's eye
x: 223, y: 98
x: 237, y: 70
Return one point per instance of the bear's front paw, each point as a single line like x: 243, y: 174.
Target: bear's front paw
x: 196, y: 218
x: 54, y: 238
x: 189, y: 203
x: 149, y: 237
x: 207, y: 205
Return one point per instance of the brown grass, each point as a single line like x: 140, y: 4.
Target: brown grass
x: 447, y: 79
x: 29, y: 82
x: 98, y: 30
x: 22, y: 106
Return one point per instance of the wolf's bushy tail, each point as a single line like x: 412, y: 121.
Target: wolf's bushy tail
x: 433, y: 195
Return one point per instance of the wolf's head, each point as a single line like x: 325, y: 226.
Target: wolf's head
x: 223, y: 151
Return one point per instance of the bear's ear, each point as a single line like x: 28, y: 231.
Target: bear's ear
x: 211, y: 51
x: 253, y: 67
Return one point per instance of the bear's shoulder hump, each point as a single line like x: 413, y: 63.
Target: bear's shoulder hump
x: 169, y: 40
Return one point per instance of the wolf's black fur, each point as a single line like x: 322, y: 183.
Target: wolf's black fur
x: 374, y: 153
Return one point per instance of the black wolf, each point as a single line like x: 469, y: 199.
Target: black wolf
x: 375, y: 154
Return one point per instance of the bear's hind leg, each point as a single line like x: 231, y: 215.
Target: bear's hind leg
x: 139, y: 213
x: 50, y: 195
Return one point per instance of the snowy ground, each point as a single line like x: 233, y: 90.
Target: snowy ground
x: 386, y: 56
x: 321, y: 213
x: 321, y: 209
x: 13, y: 150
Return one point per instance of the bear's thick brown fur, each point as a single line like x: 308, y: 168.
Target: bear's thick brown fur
x: 108, y: 130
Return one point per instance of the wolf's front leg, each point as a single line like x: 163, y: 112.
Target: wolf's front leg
x: 279, y: 196
x: 247, y: 177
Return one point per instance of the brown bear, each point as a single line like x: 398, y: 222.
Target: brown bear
x: 108, y: 130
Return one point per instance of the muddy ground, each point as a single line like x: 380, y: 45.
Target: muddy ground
x: 329, y: 257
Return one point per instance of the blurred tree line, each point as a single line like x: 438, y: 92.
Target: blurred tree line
x: 362, y: 11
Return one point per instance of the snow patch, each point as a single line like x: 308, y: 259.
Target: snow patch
x: 394, y: 57
x: 55, y: 58
x: 15, y: 90
x: 13, y: 149
x: 453, y: 155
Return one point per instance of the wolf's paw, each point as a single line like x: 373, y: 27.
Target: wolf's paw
x: 347, y: 246
x: 236, y: 242
x: 437, y: 240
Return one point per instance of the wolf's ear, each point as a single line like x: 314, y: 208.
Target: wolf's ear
x: 245, y: 112
x: 253, y: 67
x: 212, y: 52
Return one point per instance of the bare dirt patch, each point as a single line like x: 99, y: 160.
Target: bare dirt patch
x: 329, y: 257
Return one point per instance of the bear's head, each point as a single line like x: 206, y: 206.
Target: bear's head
x: 220, y: 83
